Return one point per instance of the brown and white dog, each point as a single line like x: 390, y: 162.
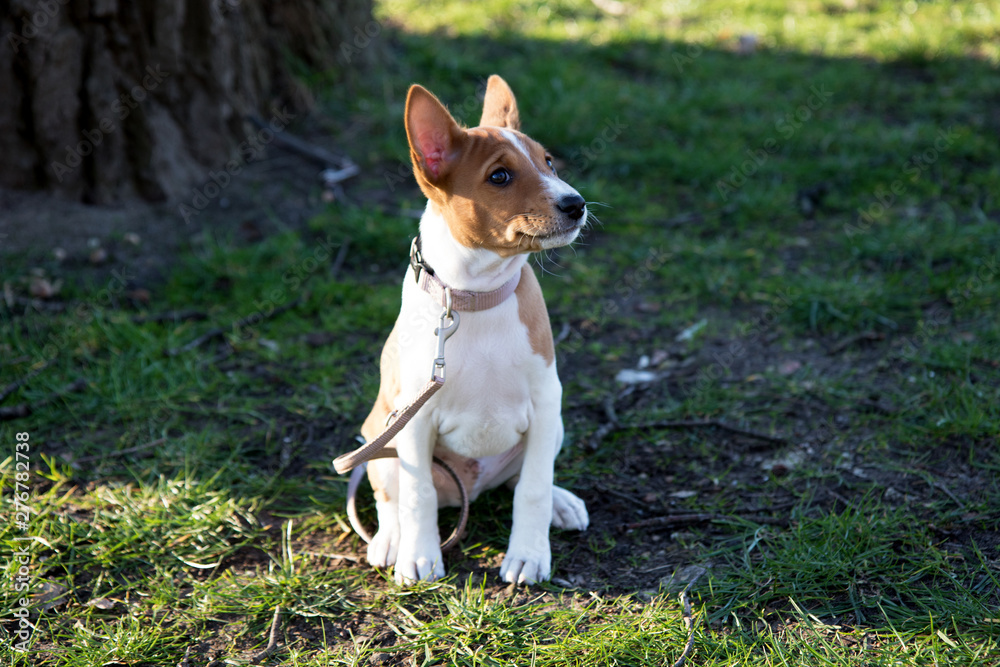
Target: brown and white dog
x: 493, y: 198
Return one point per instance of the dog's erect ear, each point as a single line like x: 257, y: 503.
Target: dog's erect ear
x: 434, y: 135
x: 500, y: 107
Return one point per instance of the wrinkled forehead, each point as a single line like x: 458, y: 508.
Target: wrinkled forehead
x: 510, y: 142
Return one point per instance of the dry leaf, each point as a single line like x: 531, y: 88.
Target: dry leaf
x: 50, y: 595
x: 41, y: 288
x: 102, y: 603
x: 139, y: 294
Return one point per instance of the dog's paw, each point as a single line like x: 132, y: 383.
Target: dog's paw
x: 384, y: 547
x: 526, y: 566
x: 423, y: 563
x: 568, y: 511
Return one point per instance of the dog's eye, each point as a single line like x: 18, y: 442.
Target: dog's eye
x: 548, y: 161
x: 500, y: 177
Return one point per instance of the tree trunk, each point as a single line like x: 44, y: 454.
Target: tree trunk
x: 103, y: 100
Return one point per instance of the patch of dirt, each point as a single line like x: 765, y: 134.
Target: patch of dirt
x: 280, y: 191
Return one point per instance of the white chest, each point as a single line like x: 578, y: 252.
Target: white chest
x: 492, y: 377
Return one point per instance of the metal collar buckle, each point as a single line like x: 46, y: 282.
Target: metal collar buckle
x: 417, y: 262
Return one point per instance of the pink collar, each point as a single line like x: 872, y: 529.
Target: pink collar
x: 461, y: 300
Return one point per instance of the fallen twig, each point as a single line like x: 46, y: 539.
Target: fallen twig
x: 12, y: 387
x: 602, y: 432
x: 688, y: 620
x: 876, y: 407
x: 857, y: 338
x: 219, y: 332
x: 171, y: 316
x: 272, y: 642
x: 847, y: 503
x: 708, y: 423
x: 610, y: 425
x: 938, y: 485
x: 320, y: 554
x: 622, y: 495
x: 564, y: 333
x: 701, y: 517
x: 39, y: 304
x: 121, y: 452
x: 347, y: 168
x: 338, y: 261
x: 332, y: 177
x: 25, y: 409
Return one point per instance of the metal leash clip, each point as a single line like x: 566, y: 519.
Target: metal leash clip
x: 443, y: 333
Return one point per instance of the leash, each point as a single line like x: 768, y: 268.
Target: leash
x: 359, y: 528
x: 398, y: 419
x: 452, y: 302
x: 395, y: 422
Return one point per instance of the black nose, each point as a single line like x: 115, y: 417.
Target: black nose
x: 572, y: 205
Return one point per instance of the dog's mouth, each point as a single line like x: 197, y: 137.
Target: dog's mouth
x: 555, y: 233
x: 536, y: 232
x: 559, y: 236
x: 555, y: 228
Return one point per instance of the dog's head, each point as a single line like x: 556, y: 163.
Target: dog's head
x: 496, y: 187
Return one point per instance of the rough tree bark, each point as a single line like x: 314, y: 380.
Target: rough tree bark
x: 104, y: 100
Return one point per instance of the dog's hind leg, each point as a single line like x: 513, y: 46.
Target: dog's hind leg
x: 568, y: 511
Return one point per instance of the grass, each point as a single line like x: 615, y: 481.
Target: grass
x: 826, y: 203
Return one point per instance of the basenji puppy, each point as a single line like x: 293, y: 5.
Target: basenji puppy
x: 493, y: 197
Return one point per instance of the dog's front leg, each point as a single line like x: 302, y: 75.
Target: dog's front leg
x: 419, y: 554
x: 529, y: 557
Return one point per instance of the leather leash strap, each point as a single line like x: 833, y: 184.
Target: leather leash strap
x: 359, y: 528
x: 349, y: 461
